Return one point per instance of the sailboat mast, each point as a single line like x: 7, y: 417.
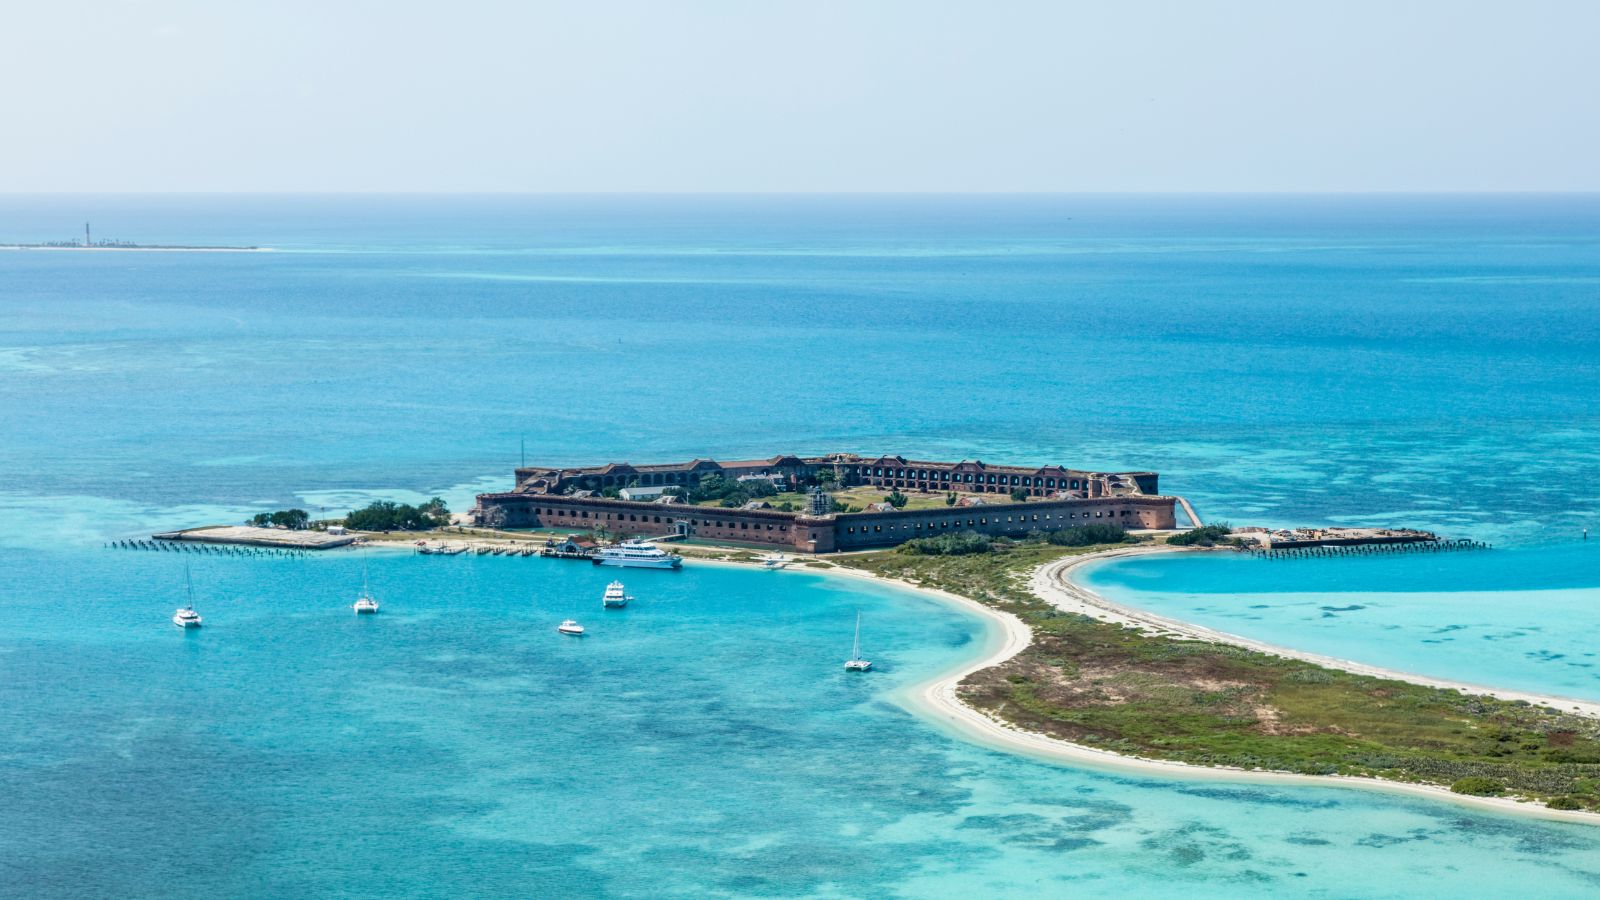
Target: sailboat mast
x: 855, y: 652
x: 188, y: 584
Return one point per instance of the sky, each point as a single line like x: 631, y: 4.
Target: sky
x: 818, y: 96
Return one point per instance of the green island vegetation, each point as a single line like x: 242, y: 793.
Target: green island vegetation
x: 1204, y: 536
x: 1116, y: 688
x: 385, y: 515
x: 295, y: 519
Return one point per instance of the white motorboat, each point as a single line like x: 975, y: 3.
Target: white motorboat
x: 570, y: 627
x: 855, y: 663
x: 637, y: 555
x: 614, y: 597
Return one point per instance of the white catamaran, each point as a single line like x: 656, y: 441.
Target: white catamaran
x: 855, y: 663
x: 365, y: 603
x: 186, y: 617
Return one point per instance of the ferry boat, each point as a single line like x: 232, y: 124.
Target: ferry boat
x: 186, y: 617
x: 637, y: 555
x: 614, y: 597
x: 570, y: 627
x: 364, y: 603
x: 855, y: 663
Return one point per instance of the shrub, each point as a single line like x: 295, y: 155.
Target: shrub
x: 897, y: 500
x: 1084, y: 535
x: 1564, y: 803
x: 1477, y: 786
x: 1019, y: 495
x: 384, y: 515
x: 288, y: 518
x: 953, y: 544
x: 1204, y: 536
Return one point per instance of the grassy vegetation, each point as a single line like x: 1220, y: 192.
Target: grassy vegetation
x: 1115, y: 688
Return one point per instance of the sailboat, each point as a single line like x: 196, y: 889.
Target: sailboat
x: 365, y: 603
x: 186, y: 617
x: 855, y: 663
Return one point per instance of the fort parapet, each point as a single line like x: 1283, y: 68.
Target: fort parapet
x: 1056, y: 497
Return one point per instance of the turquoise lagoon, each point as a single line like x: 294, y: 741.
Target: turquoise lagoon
x: 1524, y: 617
x: 1420, y: 361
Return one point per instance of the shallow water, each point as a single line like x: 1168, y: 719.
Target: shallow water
x: 1418, y: 361
x: 1523, y: 618
x: 704, y: 740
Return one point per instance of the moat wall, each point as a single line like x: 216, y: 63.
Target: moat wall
x: 818, y: 534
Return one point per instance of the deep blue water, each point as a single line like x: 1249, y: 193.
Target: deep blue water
x: 1399, y: 360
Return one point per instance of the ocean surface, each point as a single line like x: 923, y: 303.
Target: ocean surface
x: 1421, y: 361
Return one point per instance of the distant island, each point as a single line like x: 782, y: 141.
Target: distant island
x: 88, y: 243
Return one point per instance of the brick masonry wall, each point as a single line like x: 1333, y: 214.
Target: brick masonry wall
x: 822, y: 535
x: 1014, y: 519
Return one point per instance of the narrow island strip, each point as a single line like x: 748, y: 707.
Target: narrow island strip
x: 1078, y: 679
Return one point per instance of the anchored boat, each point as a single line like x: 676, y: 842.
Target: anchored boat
x: 614, y: 597
x: 637, y: 555
x: 186, y: 617
x: 855, y: 663
x: 365, y: 604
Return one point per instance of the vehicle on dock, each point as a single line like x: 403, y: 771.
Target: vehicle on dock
x: 614, y: 597
x: 637, y: 555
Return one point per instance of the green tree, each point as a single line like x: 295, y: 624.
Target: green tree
x: 950, y: 499
x: 1204, y: 536
x: 897, y: 500
x: 1019, y: 495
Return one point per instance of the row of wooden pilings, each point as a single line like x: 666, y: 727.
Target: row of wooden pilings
x: 1337, y: 550
x: 206, y: 549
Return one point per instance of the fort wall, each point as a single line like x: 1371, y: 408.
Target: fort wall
x: 819, y: 534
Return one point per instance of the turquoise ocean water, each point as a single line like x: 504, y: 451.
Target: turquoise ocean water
x: 1419, y: 361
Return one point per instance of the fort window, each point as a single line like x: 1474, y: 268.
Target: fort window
x: 877, y: 528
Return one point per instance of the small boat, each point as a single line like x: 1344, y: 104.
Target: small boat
x: 186, y: 617
x: 570, y: 627
x: 855, y: 663
x: 364, y: 602
x: 614, y: 597
x: 637, y: 555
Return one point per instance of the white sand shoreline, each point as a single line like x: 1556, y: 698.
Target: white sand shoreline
x: 937, y: 700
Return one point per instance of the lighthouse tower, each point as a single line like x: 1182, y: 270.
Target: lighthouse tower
x: 86, y: 241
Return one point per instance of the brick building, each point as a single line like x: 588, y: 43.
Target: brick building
x: 1058, y: 498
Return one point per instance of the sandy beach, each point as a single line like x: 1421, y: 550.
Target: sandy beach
x: 938, y: 701
x: 1054, y: 583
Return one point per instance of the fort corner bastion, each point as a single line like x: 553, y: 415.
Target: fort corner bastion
x: 571, y: 499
